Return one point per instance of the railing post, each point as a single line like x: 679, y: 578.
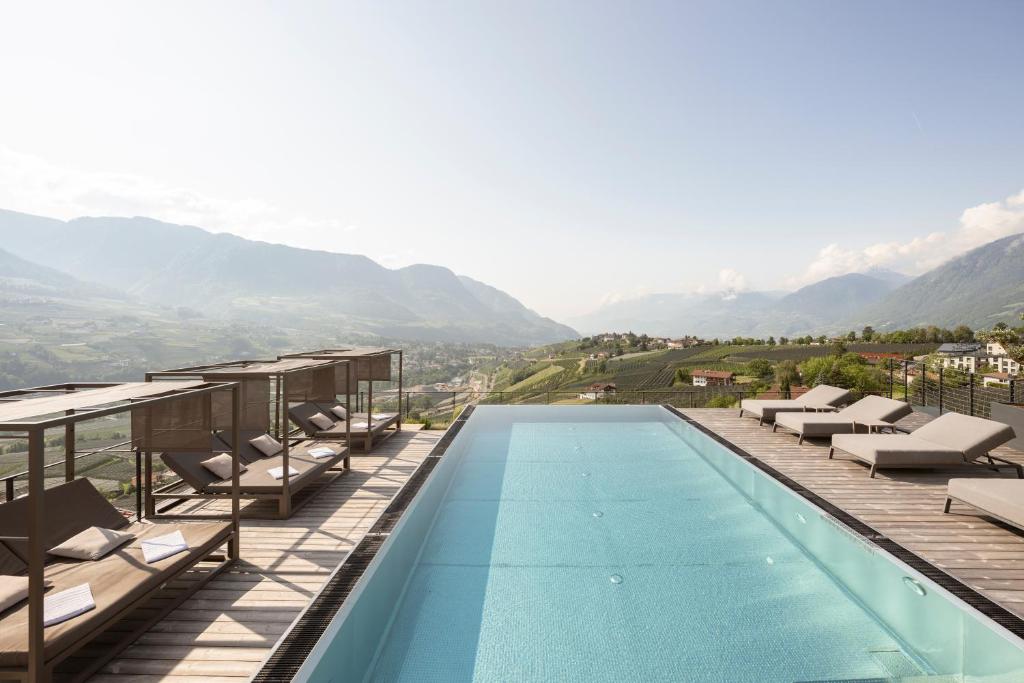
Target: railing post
x: 971, y: 376
x: 643, y: 398
x: 940, y: 390
x: 9, y: 489
x: 1012, y: 397
x: 453, y: 406
x: 906, y: 393
x: 892, y: 368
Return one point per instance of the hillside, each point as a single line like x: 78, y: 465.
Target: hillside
x: 978, y: 289
x: 227, y: 276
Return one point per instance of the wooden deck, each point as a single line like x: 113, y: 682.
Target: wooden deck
x: 223, y: 633
x: 905, y: 505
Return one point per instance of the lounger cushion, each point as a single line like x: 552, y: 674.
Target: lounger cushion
x: 256, y: 478
x: 69, y: 508
x: 321, y: 421
x: 340, y: 412
x: 91, y: 544
x: 220, y: 465
x: 1003, y: 498
x: 825, y: 395
x: 896, y: 449
x: 13, y: 589
x: 973, y: 436
x: 815, y: 424
x: 116, y: 581
x: 868, y: 409
x: 266, y: 444
x: 876, y: 409
x: 768, y: 409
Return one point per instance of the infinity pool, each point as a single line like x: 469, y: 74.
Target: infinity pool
x: 606, y: 543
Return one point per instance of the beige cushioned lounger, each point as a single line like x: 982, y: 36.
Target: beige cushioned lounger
x: 951, y: 439
x: 1000, y: 498
x: 821, y: 397
x: 868, y: 409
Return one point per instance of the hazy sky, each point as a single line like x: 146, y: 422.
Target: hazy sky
x: 567, y: 153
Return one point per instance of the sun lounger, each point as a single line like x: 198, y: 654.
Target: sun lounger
x: 361, y: 426
x: 869, y: 413
x: 1002, y: 499
x: 821, y: 397
x: 117, y: 581
x: 949, y: 440
x: 257, y: 482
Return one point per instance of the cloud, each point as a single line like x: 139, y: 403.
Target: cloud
x: 979, y: 225
x: 732, y: 280
x: 34, y: 185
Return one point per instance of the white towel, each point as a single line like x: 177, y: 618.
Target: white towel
x: 67, y: 604
x: 278, y: 472
x: 320, y: 452
x: 159, y: 547
x: 359, y: 425
x: 383, y: 416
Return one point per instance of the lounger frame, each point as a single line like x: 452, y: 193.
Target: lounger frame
x: 1004, y: 520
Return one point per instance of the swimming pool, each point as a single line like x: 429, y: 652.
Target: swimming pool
x: 619, y: 543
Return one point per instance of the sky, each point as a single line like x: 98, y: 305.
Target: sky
x: 569, y: 153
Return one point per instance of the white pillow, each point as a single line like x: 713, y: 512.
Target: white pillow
x: 13, y: 589
x: 340, y: 412
x: 322, y: 421
x: 266, y: 444
x: 221, y: 465
x: 91, y: 544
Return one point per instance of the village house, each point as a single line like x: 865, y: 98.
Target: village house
x: 596, y: 391
x: 709, y: 378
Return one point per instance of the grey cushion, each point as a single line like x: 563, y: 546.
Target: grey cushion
x: 973, y: 436
x: 825, y: 395
x: 91, y: 544
x: 1003, y: 498
x: 896, y: 450
x: 868, y: 409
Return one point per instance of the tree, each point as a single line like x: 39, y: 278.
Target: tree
x: 760, y: 368
x: 851, y: 336
x: 771, y: 341
x: 868, y: 333
x: 786, y: 375
x: 849, y: 371
x: 962, y: 333
x: 681, y: 377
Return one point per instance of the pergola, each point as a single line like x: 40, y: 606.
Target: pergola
x: 372, y: 364
x: 178, y: 415
x: 266, y: 388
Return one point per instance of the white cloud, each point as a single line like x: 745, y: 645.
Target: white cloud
x: 978, y: 225
x: 732, y: 280
x: 33, y: 185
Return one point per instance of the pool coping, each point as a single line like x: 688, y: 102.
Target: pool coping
x: 969, y: 596
x: 297, y: 642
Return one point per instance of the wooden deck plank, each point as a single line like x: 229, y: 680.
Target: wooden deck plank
x: 225, y: 630
x: 905, y: 505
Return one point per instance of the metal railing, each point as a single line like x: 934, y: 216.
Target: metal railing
x: 937, y: 390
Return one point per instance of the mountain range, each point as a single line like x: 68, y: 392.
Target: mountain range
x: 140, y: 262
x: 225, y: 276
x: 978, y: 288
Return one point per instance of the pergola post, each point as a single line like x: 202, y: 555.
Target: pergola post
x: 285, y: 506
x: 400, y: 363
x: 36, y: 557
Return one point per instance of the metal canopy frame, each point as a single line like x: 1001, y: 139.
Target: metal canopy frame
x: 353, y: 354
x: 279, y: 371
x: 37, y: 417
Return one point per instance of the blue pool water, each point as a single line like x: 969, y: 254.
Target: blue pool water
x: 619, y: 544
